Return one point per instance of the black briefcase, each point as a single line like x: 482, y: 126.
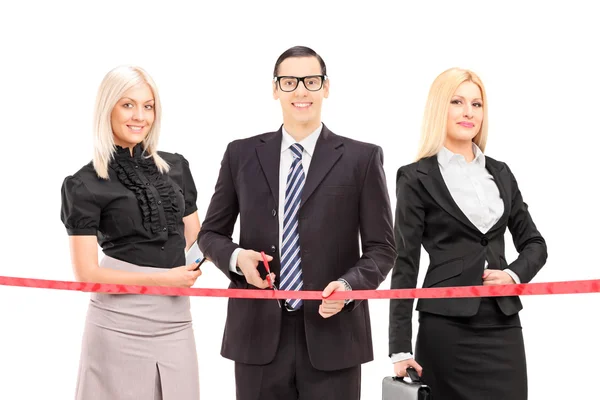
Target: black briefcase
x: 396, y: 388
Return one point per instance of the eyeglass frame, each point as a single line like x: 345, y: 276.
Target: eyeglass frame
x: 299, y: 79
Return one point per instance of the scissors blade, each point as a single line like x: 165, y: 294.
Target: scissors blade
x: 269, y: 280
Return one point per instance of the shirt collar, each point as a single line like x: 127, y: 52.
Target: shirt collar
x: 308, y: 143
x: 445, y: 156
x: 479, y: 156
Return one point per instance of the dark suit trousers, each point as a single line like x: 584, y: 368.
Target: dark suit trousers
x: 474, y: 358
x: 291, y: 376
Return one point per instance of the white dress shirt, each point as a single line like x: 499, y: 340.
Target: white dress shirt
x: 474, y: 191
x: 472, y: 187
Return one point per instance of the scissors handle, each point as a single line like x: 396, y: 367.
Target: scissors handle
x: 271, y: 284
x: 266, y: 264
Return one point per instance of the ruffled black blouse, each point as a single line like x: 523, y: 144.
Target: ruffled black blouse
x: 137, y: 213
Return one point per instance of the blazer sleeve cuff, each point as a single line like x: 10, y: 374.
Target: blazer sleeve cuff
x: 513, y: 275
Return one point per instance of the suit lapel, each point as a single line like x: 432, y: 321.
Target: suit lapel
x: 432, y: 179
x: 328, y: 151
x: 502, y: 180
x: 269, y: 156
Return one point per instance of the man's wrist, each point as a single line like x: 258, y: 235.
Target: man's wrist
x: 347, y: 288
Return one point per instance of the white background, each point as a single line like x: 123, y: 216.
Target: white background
x: 213, y: 65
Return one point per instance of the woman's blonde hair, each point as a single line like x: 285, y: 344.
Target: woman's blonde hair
x: 111, y: 90
x: 434, y: 128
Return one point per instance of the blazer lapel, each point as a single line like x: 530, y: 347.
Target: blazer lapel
x: 432, y: 179
x: 269, y: 156
x: 328, y: 151
x: 502, y: 180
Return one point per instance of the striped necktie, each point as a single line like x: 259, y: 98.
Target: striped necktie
x: 291, y: 270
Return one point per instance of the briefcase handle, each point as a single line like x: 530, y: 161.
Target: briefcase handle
x: 412, y: 374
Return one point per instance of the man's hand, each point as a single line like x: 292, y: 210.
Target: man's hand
x: 247, y: 261
x: 496, y: 277
x: 329, y: 308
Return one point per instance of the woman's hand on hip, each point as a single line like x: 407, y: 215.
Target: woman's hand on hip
x: 496, y: 277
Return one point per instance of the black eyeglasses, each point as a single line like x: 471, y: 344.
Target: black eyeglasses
x: 290, y: 83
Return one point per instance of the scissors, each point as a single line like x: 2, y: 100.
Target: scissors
x: 271, y: 283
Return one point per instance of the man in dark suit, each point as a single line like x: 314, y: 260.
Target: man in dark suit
x: 304, y: 195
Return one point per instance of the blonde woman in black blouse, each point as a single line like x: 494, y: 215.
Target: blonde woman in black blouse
x: 139, y: 205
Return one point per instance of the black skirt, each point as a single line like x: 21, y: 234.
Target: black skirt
x: 475, y: 358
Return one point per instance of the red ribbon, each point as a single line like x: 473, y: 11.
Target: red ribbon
x: 524, y: 289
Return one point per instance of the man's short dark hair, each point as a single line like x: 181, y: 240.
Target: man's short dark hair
x: 299, y: 51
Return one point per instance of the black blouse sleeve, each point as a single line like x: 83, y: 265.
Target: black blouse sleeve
x: 79, y: 211
x: 189, y: 188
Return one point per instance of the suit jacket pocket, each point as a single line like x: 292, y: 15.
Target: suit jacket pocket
x: 503, y: 263
x: 339, y: 190
x: 239, y: 283
x: 443, y: 272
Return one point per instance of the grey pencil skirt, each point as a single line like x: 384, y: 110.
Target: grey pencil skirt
x: 137, y: 347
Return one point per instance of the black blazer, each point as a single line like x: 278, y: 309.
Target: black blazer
x: 344, y: 195
x: 427, y: 214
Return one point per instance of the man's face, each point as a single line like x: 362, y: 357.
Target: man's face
x: 301, y: 106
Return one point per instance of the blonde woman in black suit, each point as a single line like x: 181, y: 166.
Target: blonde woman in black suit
x: 457, y: 203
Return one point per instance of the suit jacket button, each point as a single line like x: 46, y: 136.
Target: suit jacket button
x: 484, y: 241
x: 273, y: 249
x: 273, y: 212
